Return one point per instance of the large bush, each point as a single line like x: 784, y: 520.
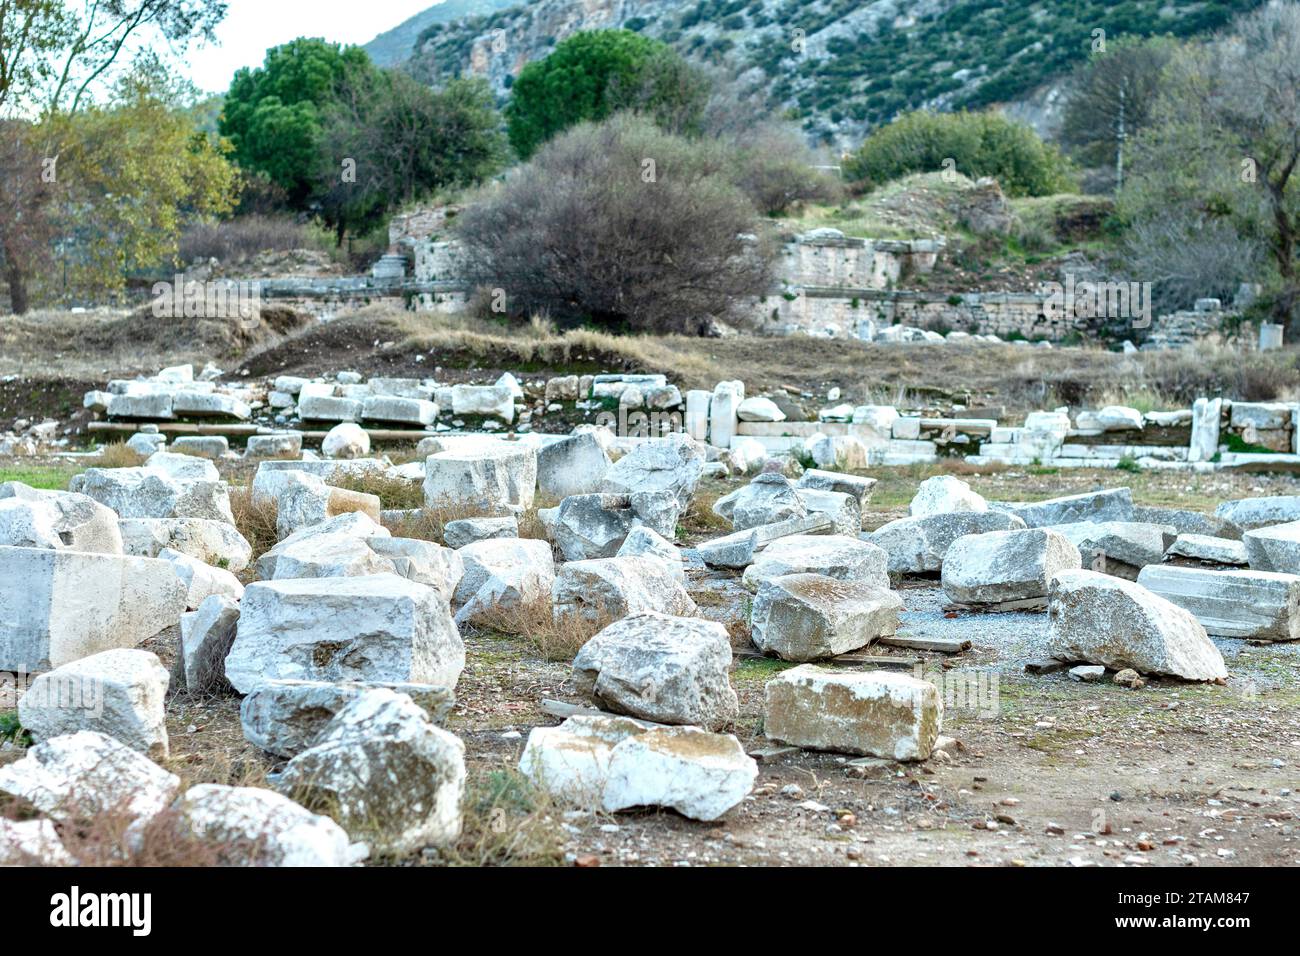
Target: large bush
x: 593, y: 74
x: 978, y: 144
x: 620, y: 224
x: 272, y: 114
x: 776, y: 169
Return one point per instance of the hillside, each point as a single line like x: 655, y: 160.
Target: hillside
x: 394, y: 47
x: 860, y: 63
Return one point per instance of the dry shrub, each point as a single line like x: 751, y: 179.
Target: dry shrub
x: 553, y: 640
x: 235, y: 240
x: 776, y: 170
x: 116, y: 454
x: 530, y: 523
x: 110, y: 837
x: 427, y: 524
x: 255, y: 520
x: 587, y: 232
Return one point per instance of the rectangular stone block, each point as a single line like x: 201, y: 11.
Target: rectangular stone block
x: 875, y: 713
x: 60, y: 606
x: 1260, y: 605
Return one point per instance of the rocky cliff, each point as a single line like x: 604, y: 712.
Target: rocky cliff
x: 839, y: 66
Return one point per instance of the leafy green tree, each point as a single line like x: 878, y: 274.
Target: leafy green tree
x: 273, y: 114
x: 973, y: 144
x: 55, y: 58
x: 1214, y: 195
x: 54, y: 55
x: 392, y: 140
x: 596, y: 73
x: 133, y: 171
x: 1111, y: 100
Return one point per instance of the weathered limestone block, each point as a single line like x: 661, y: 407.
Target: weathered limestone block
x: 835, y: 556
x: 1200, y: 547
x: 1006, y: 565
x: 152, y: 493
x: 590, y: 594
x: 306, y: 500
x: 79, y: 776
x: 944, y: 494
x: 575, y: 465
x: 282, y: 445
x: 805, y: 617
x: 767, y: 499
x: 59, y: 606
x: 698, y: 774
x: 378, y: 627
x: 1258, y: 605
x: 843, y: 509
x: 465, y: 531
x: 507, y: 582
x: 856, y: 485
x: 1274, y: 548
x: 738, y: 549
x: 1105, y: 620
x: 918, y: 545
x: 206, y: 637
x: 285, y: 717
x: 32, y: 518
x: 253, y: 826
x: 118, y: 693
x: 202, y: 446
x: 335, y: 547
x: 201, y: 580
x: 571, y: 762
x: 672, y: 670
x: 673, y: 464
x: 491, y: 400
x: 875, y: 713
x: 1249, y: 514
x: 1121, y: 548
x: 403, y: 411
x: 759, y: 409
x: 1115, y: 504
x: 644, y: 542
x: 489, y: 481
x: 386, y: 774
x: 192, y: 404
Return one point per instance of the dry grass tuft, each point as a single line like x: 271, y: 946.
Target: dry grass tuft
x: 699, y: 519
x: 552, y: 638
x: 116, y: 454
x: 393, y: 492
x: 507, y: 822
x: 255, y: 520
x: 427, y: 524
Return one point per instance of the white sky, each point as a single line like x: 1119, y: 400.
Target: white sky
x: 251, y: 27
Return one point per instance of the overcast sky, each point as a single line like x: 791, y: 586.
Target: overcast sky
x: 253, y: 26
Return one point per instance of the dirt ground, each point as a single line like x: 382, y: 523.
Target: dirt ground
x: 1044, y: 770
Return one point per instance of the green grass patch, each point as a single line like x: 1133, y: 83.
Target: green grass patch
x: 47, y: 477
x: 759, y: 670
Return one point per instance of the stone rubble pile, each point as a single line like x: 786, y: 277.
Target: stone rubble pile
x: 345, y: 639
